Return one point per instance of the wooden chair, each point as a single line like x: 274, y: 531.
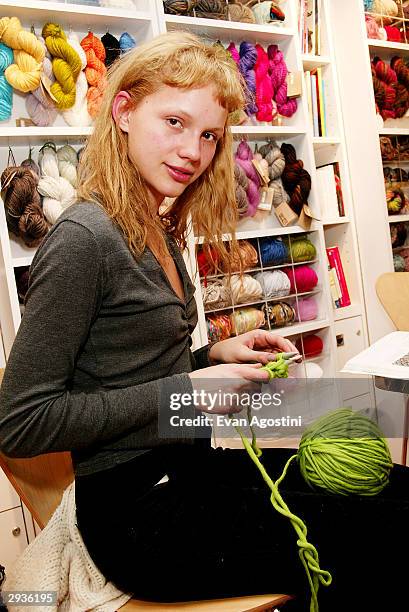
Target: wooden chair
x: 392, y: 289
x: 40, y: 483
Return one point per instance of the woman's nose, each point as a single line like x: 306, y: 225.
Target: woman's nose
x: 190, y: 148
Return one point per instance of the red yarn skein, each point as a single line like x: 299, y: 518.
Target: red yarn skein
x: 264, y: 87
x: 312, y: 345
x: 207, y: 259
x: 296, y: 180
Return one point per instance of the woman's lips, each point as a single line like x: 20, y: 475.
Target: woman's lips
x: 178, y: 174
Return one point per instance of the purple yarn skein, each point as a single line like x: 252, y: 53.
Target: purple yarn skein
x: 248, y: 59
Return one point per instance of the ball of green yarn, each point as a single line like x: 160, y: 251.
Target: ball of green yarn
x: 302, y: 249
x: 345, y: 453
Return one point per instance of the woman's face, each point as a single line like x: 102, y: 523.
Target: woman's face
x: 172, y: 137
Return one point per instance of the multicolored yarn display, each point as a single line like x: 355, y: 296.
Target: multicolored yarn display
x: 22, y: 204
x: 296, y: 180
x: 264, y: 87
x: 95, y: 72
x: 78, y: 114
x: 6, y: 90
x: 246, y: 319
x: 234, y: 10
x: 279, y: 314
x: 24, y: 75
x: 267, y: 12
x: 302, y: 278
x: 391, y: 87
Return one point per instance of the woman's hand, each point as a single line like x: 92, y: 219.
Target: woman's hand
x: 254, y: 346
x: 216, y: 385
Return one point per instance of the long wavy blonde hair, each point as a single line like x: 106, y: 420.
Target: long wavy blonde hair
x: 107, y: 175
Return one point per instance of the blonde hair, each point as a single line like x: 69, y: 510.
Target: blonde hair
x: 107, y: 175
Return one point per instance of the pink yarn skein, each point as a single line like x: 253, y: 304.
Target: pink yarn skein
x: 234, y: 53
x: 264, y: 87
x: 243, y: 157
x: 302, y: 278
x: 307, y: 309
x: 278, y: 75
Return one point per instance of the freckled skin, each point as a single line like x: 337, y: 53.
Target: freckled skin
x: 177, y: 128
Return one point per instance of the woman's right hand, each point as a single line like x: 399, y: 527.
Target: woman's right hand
x: 213, y: 386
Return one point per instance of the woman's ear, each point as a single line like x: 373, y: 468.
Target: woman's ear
x: 121, y: 110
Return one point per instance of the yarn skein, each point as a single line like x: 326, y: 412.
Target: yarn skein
x: 67, y: 161
x: 126, y: 43
x: 302, y: 278
x: 39, y: 104
x: 279, y: 314
x: 302, y: 249
x: 66, y: 65
x: 274, y: 284
x: 95, y: 72
x: 296, y: 180
x: 244, y: 288
x: 245, y: 259
x: 264, y: 88
x: 278, y: 74
x: 246, y: 319
x: 78, y: 114
x: 216, y: 294
x: 241, y: 186
x: 307, y: 309
x: 6, y: 90
x: 22, y: 204
x: 24, y: 75
x: 57, y: 192
x: 273, y: 251
x: 112, y: 48
x: 219, y: 327
x: 248, y: 59
x: 272, y: 154
x: 243, y: 158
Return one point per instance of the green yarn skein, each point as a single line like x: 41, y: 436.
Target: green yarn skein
x: 345, y: 453
x: 302, y: 249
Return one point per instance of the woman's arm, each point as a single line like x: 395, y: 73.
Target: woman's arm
x: 38, y: 411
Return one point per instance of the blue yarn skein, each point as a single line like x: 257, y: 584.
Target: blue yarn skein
x: 273, y: 251
x: 6, y: 90
x: 126, y: 42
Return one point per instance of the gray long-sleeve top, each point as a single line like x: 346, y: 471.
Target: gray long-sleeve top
x: 103, y: 342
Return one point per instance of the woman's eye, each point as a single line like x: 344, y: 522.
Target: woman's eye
x: 210, y: 136
x: 174, y: 122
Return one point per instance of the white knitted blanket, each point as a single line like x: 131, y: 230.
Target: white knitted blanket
x: 57, y: 560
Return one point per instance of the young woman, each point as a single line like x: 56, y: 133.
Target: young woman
x: 104, y: 344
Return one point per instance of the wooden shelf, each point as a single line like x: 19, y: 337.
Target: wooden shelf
x: 235, y: 31
x: 39, y: 12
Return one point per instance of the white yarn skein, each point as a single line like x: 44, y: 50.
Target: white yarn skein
x: 78, y: 114
x: 275, y: 283
x: 67, y: 163
x: 47, y: 160
x: 244, y: 288
x: 313, y: 370
x: 385, y: 8
x: 58, y: 194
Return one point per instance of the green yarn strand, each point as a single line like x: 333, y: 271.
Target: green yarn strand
x: 307, y: 552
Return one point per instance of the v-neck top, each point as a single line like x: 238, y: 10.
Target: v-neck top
x: 103, y: 342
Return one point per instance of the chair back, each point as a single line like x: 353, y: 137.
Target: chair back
x: 392, y: 289
x: 39, y: 481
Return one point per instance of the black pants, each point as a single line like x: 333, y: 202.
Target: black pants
x: 211, y: 531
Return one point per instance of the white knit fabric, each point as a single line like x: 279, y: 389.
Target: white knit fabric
x: 57, y: 560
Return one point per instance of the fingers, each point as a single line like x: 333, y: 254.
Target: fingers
x: 254, y: 373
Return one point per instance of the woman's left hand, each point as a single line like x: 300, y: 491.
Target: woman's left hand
x: 254, y: 346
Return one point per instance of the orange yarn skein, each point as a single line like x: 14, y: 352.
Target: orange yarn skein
x: 95, y: 72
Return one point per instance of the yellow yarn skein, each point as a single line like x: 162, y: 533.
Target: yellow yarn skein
x: 25, y: 74
x: 66, y: 65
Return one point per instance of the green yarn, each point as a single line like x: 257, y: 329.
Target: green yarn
x: 344, y: 452
x: 302, y: 249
